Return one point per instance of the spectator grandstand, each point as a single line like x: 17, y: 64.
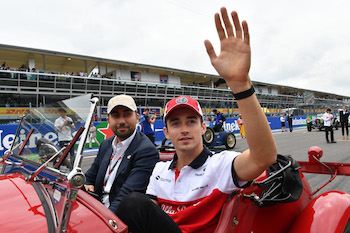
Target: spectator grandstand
x: 43, y: 76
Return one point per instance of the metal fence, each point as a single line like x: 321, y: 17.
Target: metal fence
x: 23, y: 89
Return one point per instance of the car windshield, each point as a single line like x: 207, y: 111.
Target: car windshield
x: 42, y: 143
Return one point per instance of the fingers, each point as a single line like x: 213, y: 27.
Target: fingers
x: 210, y: 49
x: 237, y: 24
x: 228, y: 25
x: 246, y: 33
x: 219, y: 27
x: 90, y: 188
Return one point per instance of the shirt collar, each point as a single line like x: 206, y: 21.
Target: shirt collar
x: 124, y: 144
x: 197, y: 162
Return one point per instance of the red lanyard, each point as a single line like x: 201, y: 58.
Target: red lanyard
x: 111, y: 169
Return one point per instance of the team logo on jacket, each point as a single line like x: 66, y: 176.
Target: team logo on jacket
x: 162, y: 179
x: 200, y: 188
x: 172, y: 209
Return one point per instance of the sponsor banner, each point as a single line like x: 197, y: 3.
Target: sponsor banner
x: 23, y: 111
x: 13, y: 111
x: 103, y: 131
x: 153, y: 110
x: 43, y: 130
x: 231, y: 125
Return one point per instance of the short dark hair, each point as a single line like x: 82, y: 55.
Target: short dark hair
x: 62, y: 110
x: 329, y: 110
x: 147, y: 109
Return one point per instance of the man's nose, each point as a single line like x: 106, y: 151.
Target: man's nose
x: 184, y: 129
x: 122, y: 120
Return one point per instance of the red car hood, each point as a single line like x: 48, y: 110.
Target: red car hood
x: 21, y: 208
x: 22, y: 211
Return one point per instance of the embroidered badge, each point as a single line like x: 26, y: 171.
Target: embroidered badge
x: 181, y: 100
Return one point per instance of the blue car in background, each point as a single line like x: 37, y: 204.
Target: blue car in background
x: 210, y: 138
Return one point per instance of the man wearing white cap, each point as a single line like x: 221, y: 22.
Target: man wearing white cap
x: 192, y: 188
x: 125, y: 161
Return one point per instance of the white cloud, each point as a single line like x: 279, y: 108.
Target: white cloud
x: 299, y: 43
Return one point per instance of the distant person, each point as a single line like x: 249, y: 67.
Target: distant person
x: 241, y: 127
x: 64, y: 126
x: 219, y: 121
x: 125, y: 161
x: 309, y: 123
x: 207, y: 121
x: 283, y: 123
x: 146, y: 122
x: 344, y: 121
x: 290, y: 121
x: 328, y: 121
x: 92, y: 135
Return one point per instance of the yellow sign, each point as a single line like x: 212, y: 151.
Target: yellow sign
x: 13, y: 111
x: 22, y: 111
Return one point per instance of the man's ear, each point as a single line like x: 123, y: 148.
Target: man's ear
x: 204, y: 127
x: 165, y: 130
x: 108, y: 119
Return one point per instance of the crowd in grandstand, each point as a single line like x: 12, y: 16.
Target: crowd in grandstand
x: 4, y: 66
x: 34, y: 74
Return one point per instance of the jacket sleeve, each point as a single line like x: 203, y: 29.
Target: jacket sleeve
x: 142, y: 166
x: 91, y: 174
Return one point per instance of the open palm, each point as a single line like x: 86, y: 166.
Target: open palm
x: 233, y: 62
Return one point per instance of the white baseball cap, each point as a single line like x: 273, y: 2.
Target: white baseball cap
x: 122, y: 100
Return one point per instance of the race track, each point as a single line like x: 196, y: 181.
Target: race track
x: 297, y: 145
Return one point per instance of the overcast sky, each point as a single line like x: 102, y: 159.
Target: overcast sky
x: 298, y: 43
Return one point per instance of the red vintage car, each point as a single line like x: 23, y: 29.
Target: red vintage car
x: 41, y: 192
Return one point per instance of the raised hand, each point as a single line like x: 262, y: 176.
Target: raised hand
x: 233, y: 62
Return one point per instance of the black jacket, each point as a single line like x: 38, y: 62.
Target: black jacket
x: 344, y: 116
x: 133, y: 173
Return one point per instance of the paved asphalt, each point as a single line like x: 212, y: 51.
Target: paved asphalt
x: 297, y: 144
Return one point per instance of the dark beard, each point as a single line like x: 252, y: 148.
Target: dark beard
x: 125, y: 135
